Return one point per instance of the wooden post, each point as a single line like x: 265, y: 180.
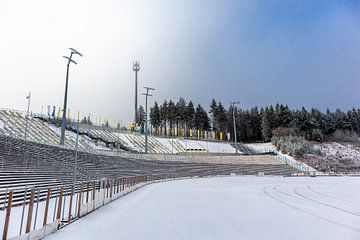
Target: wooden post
x: 7, y: 216
x: 30, y: 211
x: 93, y: 195
x: 106, y: 185
x: 87, y: 192
x: 110, y: 188
x: 47, y: 206
x: 118, y: 185
x: 70, y: 204
x: 79, y: 203
x: 58, y: 214
x: 114, y: 187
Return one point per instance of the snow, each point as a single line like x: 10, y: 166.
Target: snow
x: 219, y: 147
x: 207, y: 146
x: 16, y: 212
x: 2, y: 124
x: 286, y: 158
x: 229, y: 208
x: 339, y: 150
x: 15, y: 218
x: 262, y: 147
x: 55, y: 129
x: 128, y: 143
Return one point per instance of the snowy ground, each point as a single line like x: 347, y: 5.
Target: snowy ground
x: 229, y: 208
x: 334, y: 157
x: 340, y: 151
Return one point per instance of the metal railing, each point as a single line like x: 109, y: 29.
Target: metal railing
x: 63, y: 205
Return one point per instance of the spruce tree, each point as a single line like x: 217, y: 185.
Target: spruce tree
x: 214, y: 115
x: 267, y: 123
x: 141, y: 116
x: 190, y: 111
x: 155, y: 117
x: 171, y: 115
x: 221, y: 118
x: 180, y: 113
x: 164, y: 116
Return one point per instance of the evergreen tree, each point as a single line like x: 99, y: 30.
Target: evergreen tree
x: 180, y: 114
x: 221, y: 118
x: 155, y: 119
x: 353, y: 119
x: 171, y: 115
x: 201, y: 119
x: 214, y: 115
x: 267, y: 123
x: 252, y: 124
x: 140, y: 118
x: 164, y: 115
x: 190, y: 111
x: 255, y: 124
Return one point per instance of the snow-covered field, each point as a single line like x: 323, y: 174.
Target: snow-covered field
x: 229, y: 208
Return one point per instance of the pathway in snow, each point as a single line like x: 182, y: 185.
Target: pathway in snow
x: 229, y: 208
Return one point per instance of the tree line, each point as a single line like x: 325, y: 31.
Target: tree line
x: 254, y: 124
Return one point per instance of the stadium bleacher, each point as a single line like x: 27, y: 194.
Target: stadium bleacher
x: 39, y: 162
x: 14, y: 123
x: 28, y: 164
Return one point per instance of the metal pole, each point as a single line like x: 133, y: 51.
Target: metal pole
x: 23, y: 211
x: 118, y: 143
x: 146, y: 124
x: 27, y: 115
x: 136, y: 69
x: 146, y: 116
x: 76, y: 150
x: 62, y: 138
x: 63, y: 124
x: 234, y: 121
x: 235, y: 137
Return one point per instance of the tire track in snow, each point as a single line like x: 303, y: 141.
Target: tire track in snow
x: 296, y: 191
x: 267, y: 193
x: 327, y: 195
x: 284, y: 193
x: 304, y: 197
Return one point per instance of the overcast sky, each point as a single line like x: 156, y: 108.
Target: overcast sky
x: 300, y: 53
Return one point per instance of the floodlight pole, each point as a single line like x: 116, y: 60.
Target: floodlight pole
x: 146, y: 116
x: 27, y: 115
x: 76, y: 149
x: 63, y: 123
x: 235, y: 137
x: 136, y: 69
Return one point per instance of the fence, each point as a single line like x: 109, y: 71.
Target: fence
x: 35, y: 219
x: 295, y: 164
x: 287, y: 160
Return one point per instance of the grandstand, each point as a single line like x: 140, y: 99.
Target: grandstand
x: 39, y: 162
x: 38, y: 165
x: 41, y: 128
x: 105, y: 157
x: 13, y: 123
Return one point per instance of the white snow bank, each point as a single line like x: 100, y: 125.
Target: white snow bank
x: 229, y: 208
